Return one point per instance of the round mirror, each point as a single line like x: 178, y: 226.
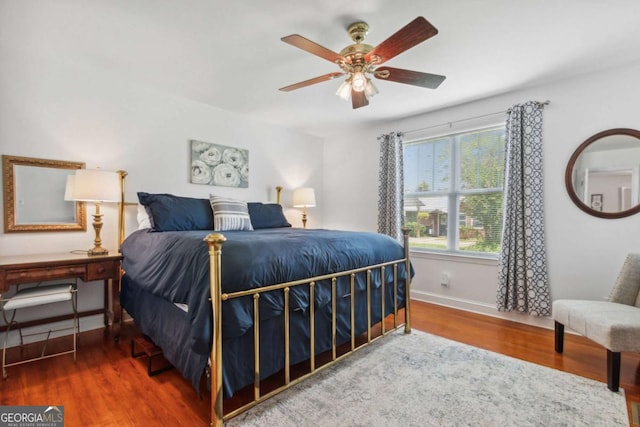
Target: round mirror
x: 603, y: 174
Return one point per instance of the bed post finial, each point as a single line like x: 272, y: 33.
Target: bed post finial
x: 278, y: 193
x: 215, y: 241
x: 407, y: 294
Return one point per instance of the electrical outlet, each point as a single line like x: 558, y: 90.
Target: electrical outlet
x: 444, y: 280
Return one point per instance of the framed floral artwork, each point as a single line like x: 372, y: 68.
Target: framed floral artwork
x: 215, y: 164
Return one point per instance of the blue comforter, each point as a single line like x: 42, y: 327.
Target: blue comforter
x: 175, y: 266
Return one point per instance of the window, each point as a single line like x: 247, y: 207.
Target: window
x: 453, y: 191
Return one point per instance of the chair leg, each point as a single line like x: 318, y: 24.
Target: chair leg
x: 9, y: 322
x: 4, y: 352
x: 613, y: 370
x: 559, y: 341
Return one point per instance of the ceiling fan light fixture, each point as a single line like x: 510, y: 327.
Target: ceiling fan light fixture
x: 344, y: 91
x: 360, y: 61
x: 359, y: 81
x: 370, y: 90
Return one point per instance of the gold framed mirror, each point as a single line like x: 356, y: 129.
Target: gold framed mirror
x: 34, y: 195
x: 603, y: 174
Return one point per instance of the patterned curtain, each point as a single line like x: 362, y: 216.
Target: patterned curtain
x: 523, y: 280
x: 391, y: 186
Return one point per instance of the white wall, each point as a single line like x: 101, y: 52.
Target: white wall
x: 584, y: 253
x: 57, y: 110
x: 51, y: 108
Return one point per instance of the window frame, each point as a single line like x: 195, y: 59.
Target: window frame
x: 454, y: 192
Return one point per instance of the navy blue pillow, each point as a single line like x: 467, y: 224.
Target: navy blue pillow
x: 174, y: 213
x: 266, y: 215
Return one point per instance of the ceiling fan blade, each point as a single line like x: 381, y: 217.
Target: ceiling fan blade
x: 415, y: 78
x: 358, y: 99
x: 309, y: 82
x: 413, y: 33
x: 312, y: 47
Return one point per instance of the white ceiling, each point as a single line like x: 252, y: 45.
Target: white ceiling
x: 228, y: 53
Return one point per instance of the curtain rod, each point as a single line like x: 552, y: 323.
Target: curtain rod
x: 547, y: 102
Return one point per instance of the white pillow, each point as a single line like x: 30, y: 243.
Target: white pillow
x: 144, y: 221
x: 229, y: 214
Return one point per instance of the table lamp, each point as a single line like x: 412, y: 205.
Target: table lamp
x: 304, y: 198
x: 97, y: 186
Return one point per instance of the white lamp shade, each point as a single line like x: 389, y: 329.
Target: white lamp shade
x: 69, y: 190
x: 370, y: 90
x: 304, y: 198
x: 344, y: 91
x: 93, y: 185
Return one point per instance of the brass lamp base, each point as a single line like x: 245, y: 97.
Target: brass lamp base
x: 97, y: 251
x: 97, y: 226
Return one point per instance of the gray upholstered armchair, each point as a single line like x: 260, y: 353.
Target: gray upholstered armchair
x: 614, y: 324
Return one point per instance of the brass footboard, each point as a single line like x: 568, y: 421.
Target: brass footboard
x: 215, y: 242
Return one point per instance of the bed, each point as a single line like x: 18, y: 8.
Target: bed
x: 232, y: 286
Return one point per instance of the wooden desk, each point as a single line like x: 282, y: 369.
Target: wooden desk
x: 19, y: 269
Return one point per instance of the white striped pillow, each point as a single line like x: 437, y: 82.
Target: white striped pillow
x: 229, y: 214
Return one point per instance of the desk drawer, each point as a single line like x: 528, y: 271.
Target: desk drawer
x: 101, y: 270
x: 45, y: 273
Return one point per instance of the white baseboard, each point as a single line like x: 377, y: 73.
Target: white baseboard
x: 481, y: 308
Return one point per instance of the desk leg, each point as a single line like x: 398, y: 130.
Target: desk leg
x: 116, y: 308
x: 112, y: 307
x: 108, y: 314
x: 115, y: 302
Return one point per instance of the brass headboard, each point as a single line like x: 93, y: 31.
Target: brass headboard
x: 121, y: 205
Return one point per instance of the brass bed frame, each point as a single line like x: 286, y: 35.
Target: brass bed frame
x: 215, y: 243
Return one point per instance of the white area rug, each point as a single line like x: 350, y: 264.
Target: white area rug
x: 423, y: 380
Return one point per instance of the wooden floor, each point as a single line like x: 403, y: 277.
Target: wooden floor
x: 107, y: 387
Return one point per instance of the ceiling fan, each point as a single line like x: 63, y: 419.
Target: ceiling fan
x: 359, y: 60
